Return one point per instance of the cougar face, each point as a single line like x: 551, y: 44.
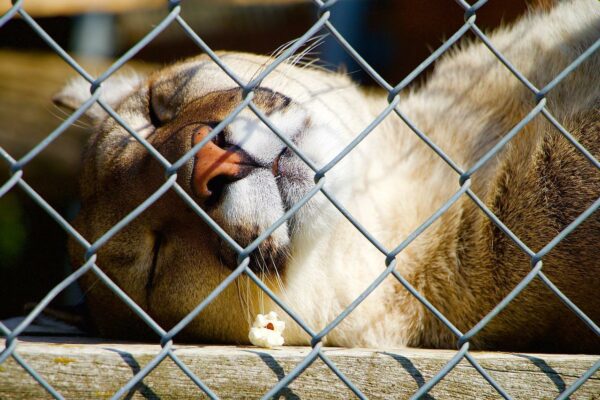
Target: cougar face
x: 245, y: 178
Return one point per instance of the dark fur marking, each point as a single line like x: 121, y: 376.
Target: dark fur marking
x: 158, y: 241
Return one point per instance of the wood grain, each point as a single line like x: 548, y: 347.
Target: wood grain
x: 93, y: 369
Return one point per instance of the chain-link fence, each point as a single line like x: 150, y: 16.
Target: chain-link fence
x: 324, y: 11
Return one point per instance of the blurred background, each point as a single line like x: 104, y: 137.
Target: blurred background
x: 394, y: 36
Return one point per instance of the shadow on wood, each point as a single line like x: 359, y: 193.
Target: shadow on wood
x: 91, y: 368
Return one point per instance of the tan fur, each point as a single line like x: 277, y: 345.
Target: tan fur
x: 391, y: 183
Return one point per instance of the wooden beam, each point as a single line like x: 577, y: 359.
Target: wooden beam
x: 45, y: 8
x: 93, y: 369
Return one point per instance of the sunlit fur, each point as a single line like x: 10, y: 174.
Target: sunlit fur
x: 390, y: 183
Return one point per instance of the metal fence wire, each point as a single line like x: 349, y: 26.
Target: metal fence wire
x: 323, y: 12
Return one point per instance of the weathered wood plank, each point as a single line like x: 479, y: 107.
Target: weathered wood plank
x: 93, y: 369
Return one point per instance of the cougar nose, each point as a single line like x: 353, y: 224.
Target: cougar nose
x: 214, y: 166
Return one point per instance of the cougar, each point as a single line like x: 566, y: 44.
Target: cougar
x: 168, y: 259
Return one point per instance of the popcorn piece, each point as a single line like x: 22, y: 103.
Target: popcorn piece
x: 266, y: 330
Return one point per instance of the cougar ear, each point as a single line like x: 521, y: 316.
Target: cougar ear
x: 114, y: 90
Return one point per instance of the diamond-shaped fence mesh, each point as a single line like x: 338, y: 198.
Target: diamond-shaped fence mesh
x: 324, y: 10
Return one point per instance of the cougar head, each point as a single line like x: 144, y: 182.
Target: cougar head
x: 168, y: 258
